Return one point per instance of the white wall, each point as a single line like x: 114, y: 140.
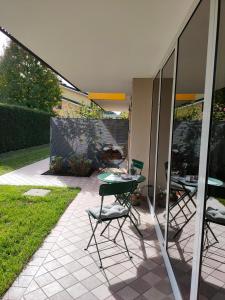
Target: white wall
x: 141, y: 121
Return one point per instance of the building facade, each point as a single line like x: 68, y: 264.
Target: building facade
x: 186, y: 189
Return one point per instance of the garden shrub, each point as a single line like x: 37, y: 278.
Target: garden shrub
x: 74, y: 165
x: 22, y: 127
x: 79, y: 165
x: 56, y: 165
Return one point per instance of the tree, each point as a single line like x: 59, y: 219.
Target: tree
x: 92, y: 111
x: 25, y: 81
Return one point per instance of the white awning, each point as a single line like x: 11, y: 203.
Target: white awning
x: 98, y: 45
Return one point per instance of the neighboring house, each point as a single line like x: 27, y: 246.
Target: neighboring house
x: 71, y: 101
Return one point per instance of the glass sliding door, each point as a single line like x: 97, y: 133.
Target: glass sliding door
x: 163, y: 140
x: 185, y: 148
x: 212, y: 277
x: 153, y: 136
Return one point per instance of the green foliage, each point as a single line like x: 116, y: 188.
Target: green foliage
x: 124, y: 115
x: 92, y: 111
x: 79, y: 165
x: 27, y: 82
x: 75, y: 165
x: 219, y: 105
x: 22, y: 127
x: 13, y: 160
x: 194, y: 112
x: 56, y: 164
x: 25, y: 221
x: 189, y: 113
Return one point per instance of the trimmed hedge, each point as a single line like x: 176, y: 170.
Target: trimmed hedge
x: 22, y: 127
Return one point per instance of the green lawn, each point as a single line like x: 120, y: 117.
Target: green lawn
x: 17, y: 159
x: 24, y: 222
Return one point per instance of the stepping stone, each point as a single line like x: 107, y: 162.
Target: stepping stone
x: 37, y: 192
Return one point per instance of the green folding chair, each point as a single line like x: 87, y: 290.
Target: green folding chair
x: 110, y: 212
x: 137, y: 165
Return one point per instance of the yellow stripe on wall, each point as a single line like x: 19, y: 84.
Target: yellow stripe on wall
x: 107, y: 96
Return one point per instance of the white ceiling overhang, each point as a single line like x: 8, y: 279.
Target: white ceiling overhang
x: 98, y: 45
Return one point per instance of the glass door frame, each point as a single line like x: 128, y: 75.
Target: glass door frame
x: 204, y: 147
x: 157, y: 139
x: 205, y: 135
x: 162, y: 238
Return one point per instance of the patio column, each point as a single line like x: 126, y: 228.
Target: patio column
x: 140, y: 122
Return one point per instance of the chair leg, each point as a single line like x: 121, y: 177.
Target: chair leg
x: 172, y: 219
x: 135, y: 226
x: 208, y: 229
x: 138, y: 219
x: 107, y: 225
x: 120, y: 226
x: 205, y: 242
x: 124, y: 203
x: 98, y: 252
x: 181, y: 228
x: 181, y: 197
x: 93, y: 236
x: 186, y: 194
x: 182, y: 208
x: 213, y: 234
x: 93, y: 232
x: 133, y: 217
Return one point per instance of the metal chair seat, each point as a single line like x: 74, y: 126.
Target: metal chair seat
x: 110, y: 211
x: 215, y: 215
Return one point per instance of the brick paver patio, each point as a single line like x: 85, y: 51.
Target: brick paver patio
x: 32, y: 175
x: 61, y: 269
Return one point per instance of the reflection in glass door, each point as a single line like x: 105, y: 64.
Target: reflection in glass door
x: 153, y: 135
x: 212, y: 277
x: 185, y: 149
x: 163, y: 141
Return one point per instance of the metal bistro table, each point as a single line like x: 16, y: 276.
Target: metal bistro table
x: 212, y: 183
x: 114, y: 178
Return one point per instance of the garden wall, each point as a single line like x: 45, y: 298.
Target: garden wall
x: 87, y: 137
x: 22, y: 127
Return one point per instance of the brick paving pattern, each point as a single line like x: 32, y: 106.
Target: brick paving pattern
x: 62, y: 270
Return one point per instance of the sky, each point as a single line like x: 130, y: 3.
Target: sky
x: 3, y: 42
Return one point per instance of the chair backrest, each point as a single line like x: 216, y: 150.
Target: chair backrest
x: 122, y: 190
x: 137, y: 164
x: 117, y: 188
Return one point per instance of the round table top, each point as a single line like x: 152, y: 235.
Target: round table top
x: 103, y: 177
x: 211, y: 181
